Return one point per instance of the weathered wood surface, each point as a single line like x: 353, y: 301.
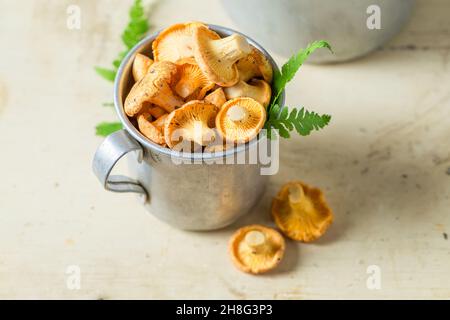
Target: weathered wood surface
x: 384, y: 164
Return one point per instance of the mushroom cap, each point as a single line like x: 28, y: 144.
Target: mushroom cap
x: 154, y: 88
x: 257, y: 89
x: 149, y: 129
x: 255, y: 65
x: 217, y: 97
x: 301, y: 212
x: 256, y: 249
x: 193, y: 122
x: 141, y: 64
x: 175, y: 42
x: 192, y: 82
x: 240, y: 119
x: 217, y: 57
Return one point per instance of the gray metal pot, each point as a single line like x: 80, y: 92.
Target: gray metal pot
x: 198, y: 196
x: 285, y: 26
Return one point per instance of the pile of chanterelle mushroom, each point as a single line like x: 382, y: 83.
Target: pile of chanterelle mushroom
x: 201, y: 92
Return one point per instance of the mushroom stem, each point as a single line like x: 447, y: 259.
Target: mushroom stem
x: 201, y: 134
x: 255, y: 239
x: 296, y: 194
x: 233, y: 47
x: 237, y: 113
x: 166, y: 99
x: 217, y: 98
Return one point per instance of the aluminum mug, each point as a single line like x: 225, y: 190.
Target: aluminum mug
x: 200, y: 195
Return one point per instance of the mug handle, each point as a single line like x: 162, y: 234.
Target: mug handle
x: 113, y: 148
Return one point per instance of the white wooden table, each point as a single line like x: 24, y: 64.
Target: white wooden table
x: 383, y: 163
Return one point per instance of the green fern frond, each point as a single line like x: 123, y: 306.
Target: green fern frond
x: 106, y: 128
x: 302, y: 121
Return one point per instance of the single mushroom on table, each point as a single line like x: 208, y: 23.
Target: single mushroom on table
x: 240, y: 119
x: 192, y: 83
x: 217, y: 57
x: 254, y: 65
x: 141, y: 64
x: 301, y: 212
x: 217, y: 97
x: 154, y: 88
x: 256, y: 249
x: 257, y: 89
x: 176, y: 42
x: 192, y: 122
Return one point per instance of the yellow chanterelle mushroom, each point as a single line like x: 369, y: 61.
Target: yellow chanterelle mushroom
x: 154, y: 88
x: 240, y: 119
x: 217, y: 97
x: 256, y: 89
x: 156, y: 112
x: 152, y: 130
x: 256, y: 249
x: 217, y: 57
x: 301, y: 212
x: 176, y: 42
x: 194, y: 122
x: 192, y: 83
x: 254, y: 65
x: 141, y: 64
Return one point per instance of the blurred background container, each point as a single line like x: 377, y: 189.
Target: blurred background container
x: 283, y: 26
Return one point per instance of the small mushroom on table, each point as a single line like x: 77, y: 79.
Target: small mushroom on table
x: 217, y: 57
x: 240, y: 119
x: 301, y: 212
x: 193, y: 122
x: 256, y: 249
x: 154, y: 88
